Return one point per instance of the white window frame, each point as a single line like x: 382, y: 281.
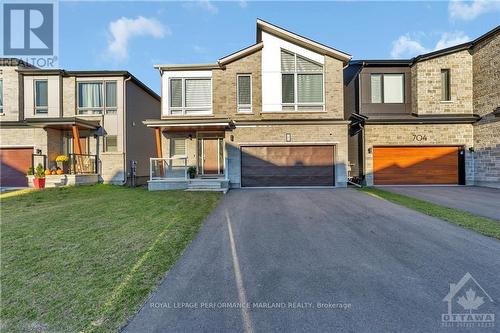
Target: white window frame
x: 103, y: 109
x: 183, y: 108
x: 382, y: 83
x: 36, y: 108
x: 172, y: 147
x: 244, y: 108
x: 296, y: 105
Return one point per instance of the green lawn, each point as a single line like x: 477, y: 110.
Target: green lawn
x: 85, y: 258
x: 465, y: 219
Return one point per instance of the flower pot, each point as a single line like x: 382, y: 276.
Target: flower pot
x: 39, y: 183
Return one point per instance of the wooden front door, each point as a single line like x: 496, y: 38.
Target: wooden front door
x: 211, y: 156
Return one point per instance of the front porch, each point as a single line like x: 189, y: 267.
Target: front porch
x: 175, y: 174
x: 190, y: 155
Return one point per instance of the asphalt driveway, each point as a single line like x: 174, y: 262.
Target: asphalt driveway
x: 483, y: 201
x: 318, y: 260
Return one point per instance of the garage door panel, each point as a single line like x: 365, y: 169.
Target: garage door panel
x: 287, y: 166
x: 14, y: 165
x: 415, y: 165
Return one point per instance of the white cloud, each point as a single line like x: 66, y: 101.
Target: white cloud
x: 124, y: 29
x: 450, y: 39
x: 407, y: 46
x: 462, y: 10
x: 208, y: 6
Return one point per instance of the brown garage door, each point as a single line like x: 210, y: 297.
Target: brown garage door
x: 287, y: 166
x: 14, y: 165
x: 416, y: 165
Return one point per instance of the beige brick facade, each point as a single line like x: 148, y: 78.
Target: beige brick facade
x: 403, y: 135
x: 486, y: 65
x: 11, y: 98
x: 426, y: 84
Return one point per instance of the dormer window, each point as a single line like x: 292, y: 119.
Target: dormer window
x: 301, y: 83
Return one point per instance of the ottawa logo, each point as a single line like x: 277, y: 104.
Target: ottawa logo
x: 468, y: 305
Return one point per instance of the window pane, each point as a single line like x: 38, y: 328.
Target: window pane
x: 305, y: 65
x: 1, y: 95
x: 111, y: 94
x: 244, y: 90
x: 287, y: 61
x: 90, y: 95
x: 287, y: 88
x: 376, y: 87
x: 445, y: 85
x: 178, y: 147
x: 198, y: 93
x: 41, y: 93
x: 176, y: 93
x: 111, y: 143
x: 310, y: 88
x: 393, y: 88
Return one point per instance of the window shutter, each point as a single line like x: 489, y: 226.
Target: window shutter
x: 310, y: 88
x: 376, y: 88
x: 198, y: 93
x: 287, y: 61
x: 393, y: 88
x: 244, y: 90
x: 304, y: 65
x: 287, y: 88
x: 176, y: 93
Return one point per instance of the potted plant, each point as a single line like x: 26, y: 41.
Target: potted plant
x: 39, y: 180
x: 192, y: 172
x: 62, y: 164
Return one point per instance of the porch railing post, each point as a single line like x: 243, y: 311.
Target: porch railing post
x: 185, y: 169
x: 226, y: 175
x: 150, y: 169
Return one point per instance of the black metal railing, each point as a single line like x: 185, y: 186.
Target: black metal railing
x: 82, y: 164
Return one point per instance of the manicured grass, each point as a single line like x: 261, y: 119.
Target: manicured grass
x: 465, y: 219
x: 85, y: 258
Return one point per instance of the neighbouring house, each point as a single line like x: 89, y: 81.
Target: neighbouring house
x: 427, y: 120
x: 93, y: 117
x: 271, y: 114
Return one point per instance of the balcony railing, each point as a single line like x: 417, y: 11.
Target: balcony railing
x: 82, y: 164
x: 175, y: 168
x: 168, y: 168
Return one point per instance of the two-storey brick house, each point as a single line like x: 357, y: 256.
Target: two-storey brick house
x: 416, y: 121
x: 95, y: 117
x: 271, y: 114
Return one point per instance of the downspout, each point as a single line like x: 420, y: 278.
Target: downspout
x: 125, y: 130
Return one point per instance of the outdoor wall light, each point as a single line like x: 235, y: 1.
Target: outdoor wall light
x: 231, y: 137
x: 471, y: 149
x: 288, y: 137
x: 39, y: 152
x: 369, y: 150
x: 190, y: 136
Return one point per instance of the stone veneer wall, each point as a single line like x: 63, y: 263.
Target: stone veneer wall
x: 426, y: 84
x: 275, y: 134
x: 486, y: 69
x: 11, y: 99
x: 437, y: 134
